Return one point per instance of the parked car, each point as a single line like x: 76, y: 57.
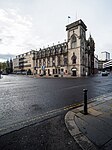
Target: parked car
x: 24, y: 72
x: 105, y: 73
x: 18, y: 72
x: 4, y: 73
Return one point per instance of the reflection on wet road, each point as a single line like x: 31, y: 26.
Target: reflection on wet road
x: 22, y: 97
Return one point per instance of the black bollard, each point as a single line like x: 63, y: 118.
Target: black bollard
x: 85, y: 101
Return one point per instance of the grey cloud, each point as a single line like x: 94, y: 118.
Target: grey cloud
x: 6, y: 56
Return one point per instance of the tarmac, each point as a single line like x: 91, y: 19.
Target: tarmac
x: 94, y: 130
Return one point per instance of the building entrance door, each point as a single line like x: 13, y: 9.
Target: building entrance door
x: 44, y: 72
x: 74, y: 73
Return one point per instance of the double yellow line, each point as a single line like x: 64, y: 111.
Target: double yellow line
x: 72, y: 106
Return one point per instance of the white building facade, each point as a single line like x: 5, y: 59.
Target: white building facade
x: 107, y: 65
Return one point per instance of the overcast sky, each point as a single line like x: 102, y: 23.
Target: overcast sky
x: 34, y: 24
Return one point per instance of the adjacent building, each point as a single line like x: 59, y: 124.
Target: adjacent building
x: 100, y: 64
x: 108, y: 65
x: 74, y: 57
x: 105, y: 56
x: 95, y: 64
x: 25, y: 62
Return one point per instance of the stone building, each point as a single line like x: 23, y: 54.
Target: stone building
x: 95, y: 64
x: 107, y: 65
x: 74, y: 57
x: 24, y: 62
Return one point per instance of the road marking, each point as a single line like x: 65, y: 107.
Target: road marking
x: 37, y: 118
x: 46, y: 115
x: 72, y: 106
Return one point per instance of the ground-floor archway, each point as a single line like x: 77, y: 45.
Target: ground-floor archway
x: 74, y: 72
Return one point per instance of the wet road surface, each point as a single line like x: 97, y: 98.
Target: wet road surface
x: 50, y: 134
x: 22, y: 98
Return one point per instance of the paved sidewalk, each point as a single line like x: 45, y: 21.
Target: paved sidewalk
x: 92, y: 131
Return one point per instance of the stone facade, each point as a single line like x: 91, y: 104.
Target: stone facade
x: 96, y: 64
x: 74, y: 57
x: 24, y: 62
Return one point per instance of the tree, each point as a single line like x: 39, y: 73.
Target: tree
x: 6, y: 66
x: 11, y: 66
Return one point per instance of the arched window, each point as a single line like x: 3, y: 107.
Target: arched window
x: 73, y: 58
x: 73, y: 41
x: 44, y: 61
x: 53, y: 60
x: 58, y: 60
x: 65, y: 60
